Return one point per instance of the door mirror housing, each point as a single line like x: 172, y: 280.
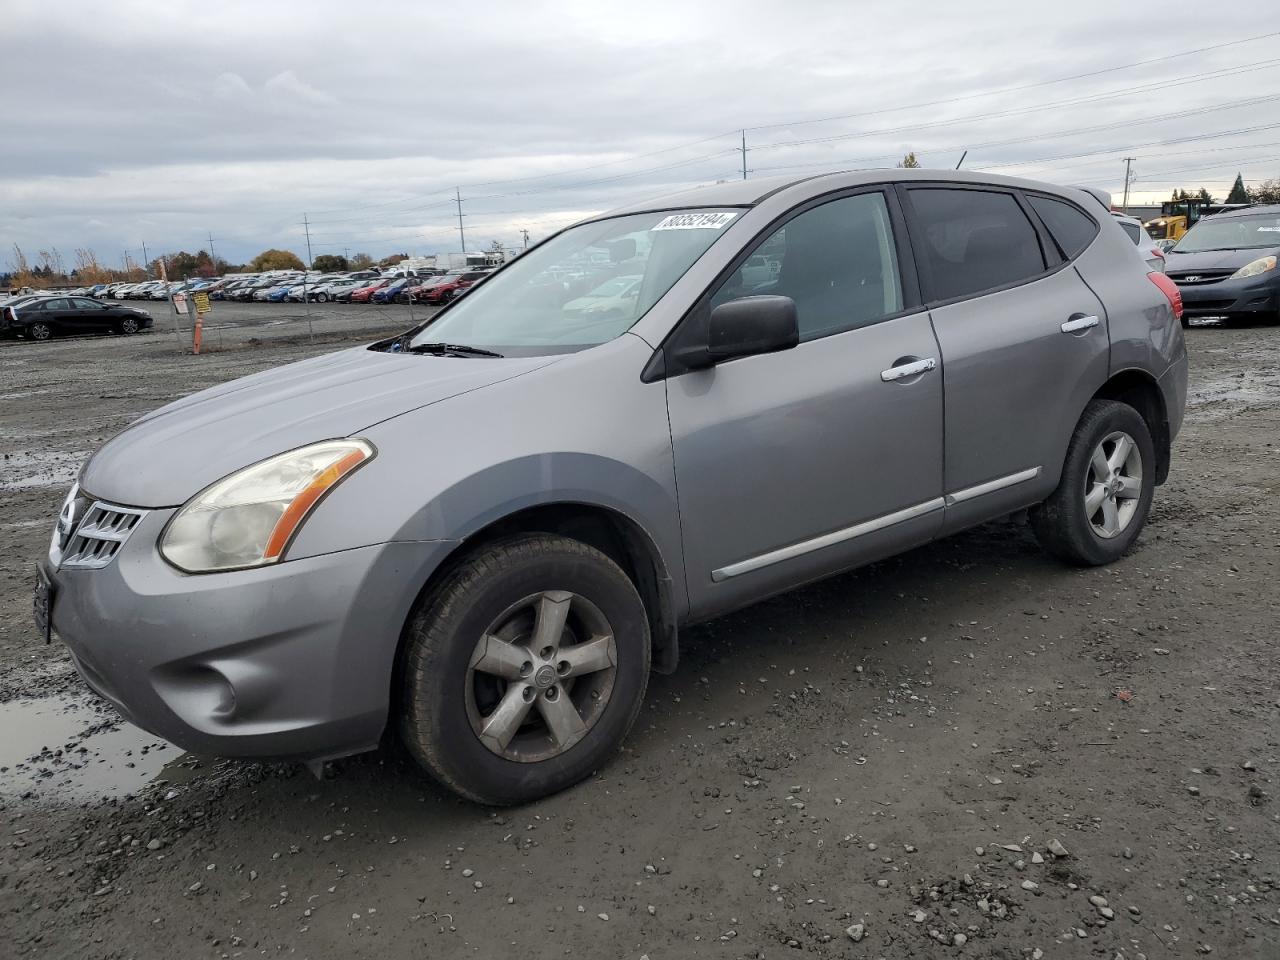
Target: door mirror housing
x: 751, y: 325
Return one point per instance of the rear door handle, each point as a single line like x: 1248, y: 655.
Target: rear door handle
x: 904, y: 370
x: 1076, y: 324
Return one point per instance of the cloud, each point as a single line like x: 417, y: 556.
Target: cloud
x: 286, y: 88
x: 158, y: 123
x: 231, y: 86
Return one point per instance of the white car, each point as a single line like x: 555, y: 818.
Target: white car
x: 1147, y: 248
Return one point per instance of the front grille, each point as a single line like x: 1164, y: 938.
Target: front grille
x: 1196, y: 277
x: 1205, y: 306
x: 98, y: 537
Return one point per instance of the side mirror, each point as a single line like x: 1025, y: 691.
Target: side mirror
x: 751, y: 325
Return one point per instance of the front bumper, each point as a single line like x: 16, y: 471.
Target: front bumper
x: 1258, y: 296
x: 292, y: 661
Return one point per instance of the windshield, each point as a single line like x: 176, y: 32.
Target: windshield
x: 528, y: 309
x: 1232, y: 233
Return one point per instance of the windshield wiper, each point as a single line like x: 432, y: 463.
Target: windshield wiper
x: 447, y: 348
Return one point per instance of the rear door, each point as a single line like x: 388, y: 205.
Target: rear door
x: 1024, y: 343
x: 794, y: 465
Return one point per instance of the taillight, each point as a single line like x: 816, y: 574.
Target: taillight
x: 1170, y: 290
x: 1158, y: 252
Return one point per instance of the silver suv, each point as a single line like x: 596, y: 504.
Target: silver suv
x: 485, y: 533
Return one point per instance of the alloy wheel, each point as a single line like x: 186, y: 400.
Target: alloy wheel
x: 128, y: 325
x: 40, y: 331
x: 541, y: 676
x: 1114, y: 485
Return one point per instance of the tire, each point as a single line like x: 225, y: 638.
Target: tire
x: 485, y: 611
x: 322, y: 298
x: 39, y: 331
x: 1186, y: 323
x: 1122, y: 489
x: 129, y: 325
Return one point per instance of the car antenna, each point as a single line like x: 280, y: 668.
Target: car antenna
x: 962, y: 156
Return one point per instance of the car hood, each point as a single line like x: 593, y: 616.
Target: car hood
x: 169, y: 455
x: 1216, y: 259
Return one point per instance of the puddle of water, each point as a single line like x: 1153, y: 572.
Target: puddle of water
x: 64, y: 749
x: 24, y: 470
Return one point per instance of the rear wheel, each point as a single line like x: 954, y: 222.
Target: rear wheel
x: 39, y: 330
x: 1105, y: 493
x: 524, y: 669
x: 322, y: 298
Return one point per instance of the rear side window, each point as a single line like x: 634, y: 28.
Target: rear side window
x: 1133, y: 230
x: 837, y: 262
x: 1071, y: 228
x: 973, y: 240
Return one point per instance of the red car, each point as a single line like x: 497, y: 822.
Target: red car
x: 450, y: 287
x: 362, y: 294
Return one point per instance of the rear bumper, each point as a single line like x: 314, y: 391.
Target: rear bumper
x: 1256, y: 295
x: 293, y: 660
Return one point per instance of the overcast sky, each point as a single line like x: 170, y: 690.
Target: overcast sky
x: 163, y: 122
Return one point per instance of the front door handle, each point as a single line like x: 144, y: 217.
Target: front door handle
x: 904, y: 370
x: 1076, y: 324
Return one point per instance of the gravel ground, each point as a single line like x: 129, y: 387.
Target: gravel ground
x: 968, y: 750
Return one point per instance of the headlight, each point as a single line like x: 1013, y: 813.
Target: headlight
x: 249, y: 518
x: 1261, y: 265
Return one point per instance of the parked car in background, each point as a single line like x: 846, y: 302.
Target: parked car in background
x: 44, y: 317
x: 615, y: 297
x: 331, y: 290
x: 1226, y: 266
x: 501, y: 607
x: 451, y: 286
x: 389, y: 293
x: 365, y: 293
x: 1151, y: 253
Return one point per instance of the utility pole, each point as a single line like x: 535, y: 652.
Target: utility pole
x: 1128, y: 176
x: 146, y: 261
x: 744, y: 154
x: 212, y: 259
x: 462, y: 237
x: 525, y: 234
x: 307, y: 227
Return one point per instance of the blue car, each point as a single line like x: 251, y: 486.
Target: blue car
x: 279, y: 294
x: 388, y: 293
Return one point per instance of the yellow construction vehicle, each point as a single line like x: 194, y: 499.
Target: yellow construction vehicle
x: 1179, y: 216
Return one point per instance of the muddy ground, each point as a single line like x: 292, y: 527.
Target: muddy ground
x: 892, y: 751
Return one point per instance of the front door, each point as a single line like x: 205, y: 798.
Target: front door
x: 794, y: 465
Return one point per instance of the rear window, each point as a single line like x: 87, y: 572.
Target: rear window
x: 1071, y: 228
x: 973, y: 240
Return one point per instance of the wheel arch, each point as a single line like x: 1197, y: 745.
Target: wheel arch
x: 1138, y: 389
x: 612, y: 532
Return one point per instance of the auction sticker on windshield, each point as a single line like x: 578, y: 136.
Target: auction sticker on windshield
x: 695, y: 221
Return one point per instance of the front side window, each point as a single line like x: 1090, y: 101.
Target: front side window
x: 837, y: 262
x: 1070, y: 227
x: 1232, y: 233
x: 534, y: 306
x: 973, y: 240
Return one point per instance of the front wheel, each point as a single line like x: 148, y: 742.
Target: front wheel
x: 1108, y: 479
x: 128, y: 326
x: 524, y: 669
x: 322, y: 298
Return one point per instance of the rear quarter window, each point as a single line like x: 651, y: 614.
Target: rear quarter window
x: 1071, y: 228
